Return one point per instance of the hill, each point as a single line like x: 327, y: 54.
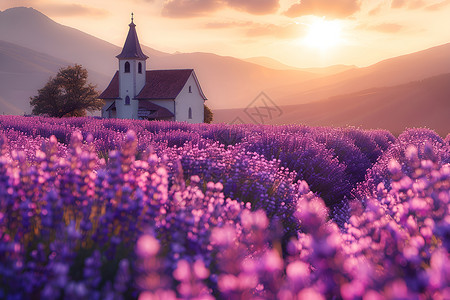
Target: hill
x: 276, y: 65
x: 390, y: 72
x: 270, y: 63
x: 23, y: 71
x: 424, y: 103
x: 227, y: 81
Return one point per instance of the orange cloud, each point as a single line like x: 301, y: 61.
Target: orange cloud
x: 387, y: 28
x: 257, y: 7
x: 409, y: 4
x: 189, y: 8
x: 251, y: 29
x: 196, y: 8
x: 278, y: 31
x: 377, y: 10
x: 224, y: 25
x: 438, y: 6
x: 327, y: 8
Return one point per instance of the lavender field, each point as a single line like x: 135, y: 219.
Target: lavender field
x: 119, y: 209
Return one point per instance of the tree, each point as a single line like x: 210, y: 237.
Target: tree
x: 67, y: 95
x: 208, y: 114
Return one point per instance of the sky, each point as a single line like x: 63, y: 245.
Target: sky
x: 300, y: 33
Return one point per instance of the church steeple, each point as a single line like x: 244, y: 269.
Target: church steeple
x: 132, y: 75
x: 132, y: 48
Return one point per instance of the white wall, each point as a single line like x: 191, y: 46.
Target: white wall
x: 193, y: 100
x: 130, y: 84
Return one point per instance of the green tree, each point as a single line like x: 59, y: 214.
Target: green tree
x: 208, y: 114
x: 67, y: 95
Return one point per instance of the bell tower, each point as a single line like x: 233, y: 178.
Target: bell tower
x: 132, y: 68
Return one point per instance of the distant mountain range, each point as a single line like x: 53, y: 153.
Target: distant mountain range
x: 390, y: 72
x: 424, y: 103
x: 33, y: 47
x: 23, y: 71
x: 227, y: 81
x: 276, y: 65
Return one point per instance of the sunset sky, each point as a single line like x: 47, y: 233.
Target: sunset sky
x: 307, y: 33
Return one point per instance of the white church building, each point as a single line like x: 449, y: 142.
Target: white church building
x: 135, y: 93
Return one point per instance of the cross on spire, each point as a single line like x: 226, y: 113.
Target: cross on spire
x: 132, y: 17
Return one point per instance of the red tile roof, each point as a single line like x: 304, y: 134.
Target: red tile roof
x: 159, y: 85
x: 149, y: 110
x: 154, y: 111
x: 164, y: 84
x: 112, y: 91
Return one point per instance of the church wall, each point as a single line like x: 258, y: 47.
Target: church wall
x: 193, y: 100
x: 130, y: 84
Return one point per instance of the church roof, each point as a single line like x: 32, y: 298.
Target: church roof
x: 154, y: 111
x: 149, y: 110
x: 159, y: 84
x: 132, y: 48
x: 112, y: 91
x: 164, y: 84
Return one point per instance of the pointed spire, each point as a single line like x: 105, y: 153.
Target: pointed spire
x: 132, y: 48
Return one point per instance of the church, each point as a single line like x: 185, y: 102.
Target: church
x: 137, y: 93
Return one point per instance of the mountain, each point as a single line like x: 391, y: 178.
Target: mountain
x: 230, y: 82
x: 276, y: 65
x: 269, y: 63
x: 424, y: 103
x: 227, y: 82
x: 390, y: 72
x: 23, y: 71
x: 30, y: 28
x: 335, y: 69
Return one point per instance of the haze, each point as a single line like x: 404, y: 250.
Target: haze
x: 354, y: 33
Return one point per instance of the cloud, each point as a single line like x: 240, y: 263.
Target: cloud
x: 225, y: 25
x: 438, y: 6
x: 197, y: 8
x: 278, y: 31
x: 398, y: 3
x: 327, y: 8
x: 71, y: 10
x: 257, y: 7
x: 408, y: 4
x: 189, y: 8
x: 252, y: 29
x: 386, y: 28
x: 376, y: 10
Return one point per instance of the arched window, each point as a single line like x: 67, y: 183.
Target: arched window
x: 127, y: 67
x: 127, y: 100
x: 140, y: 68
x: 190, y: 113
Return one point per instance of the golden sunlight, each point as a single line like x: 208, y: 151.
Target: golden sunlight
x: 323, y: 34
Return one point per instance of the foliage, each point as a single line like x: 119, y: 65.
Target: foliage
x: 66, y: 95
x: 209, y: 115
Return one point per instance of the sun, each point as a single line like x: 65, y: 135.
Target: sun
x: 323, y: 34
